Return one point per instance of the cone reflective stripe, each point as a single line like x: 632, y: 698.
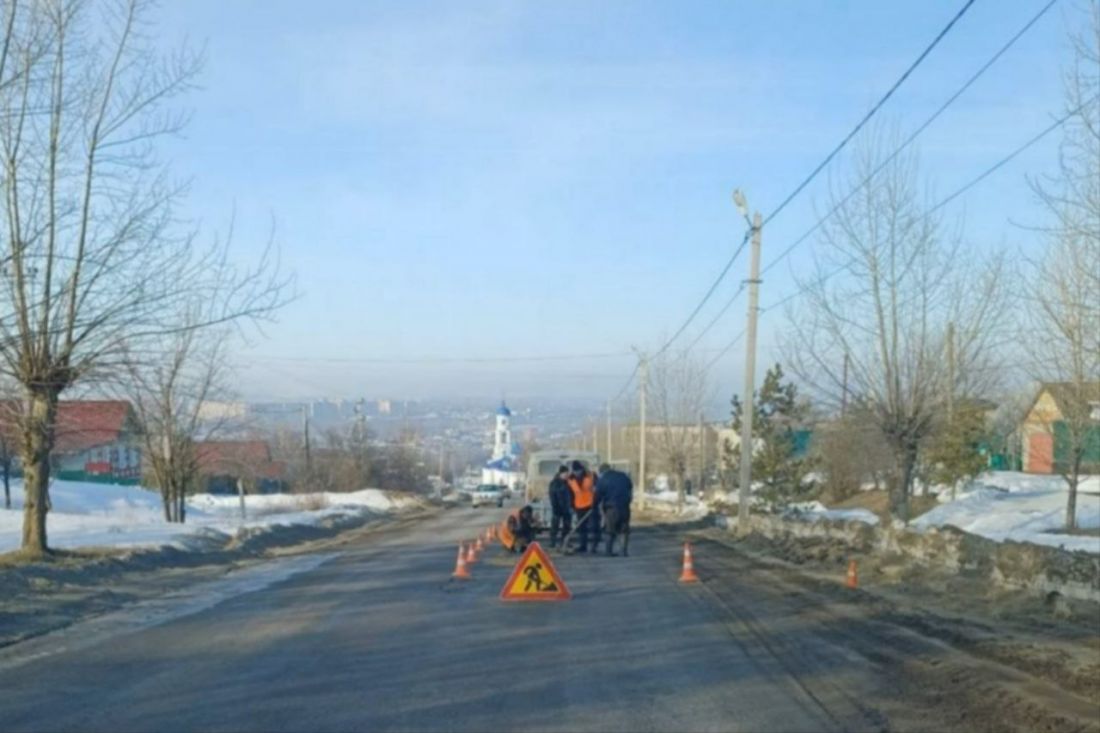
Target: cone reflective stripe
x: 853, y: 575
x: 688, y: 574
x: 461, y: 571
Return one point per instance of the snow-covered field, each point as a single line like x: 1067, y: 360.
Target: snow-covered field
x: 109, y: 515
x: 1017, y: 506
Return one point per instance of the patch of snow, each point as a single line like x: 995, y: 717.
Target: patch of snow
x: 812, y: 510
x: 1005, y: 505
x: 86, y: 514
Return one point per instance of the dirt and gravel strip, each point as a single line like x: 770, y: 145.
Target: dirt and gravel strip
x: 40, y: 597
x: 966, y: 657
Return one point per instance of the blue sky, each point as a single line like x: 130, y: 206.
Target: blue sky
x: 491, y: 178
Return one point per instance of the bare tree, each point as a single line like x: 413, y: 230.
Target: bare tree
x: 889, y: 282
x: 677, y: 395
x: 851, y: 452
x: 93, y: 266
x: 1063, y: 328
x: 168, y: 391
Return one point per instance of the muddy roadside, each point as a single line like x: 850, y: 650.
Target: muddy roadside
x: 75, y: 585
x: 1051, y: 638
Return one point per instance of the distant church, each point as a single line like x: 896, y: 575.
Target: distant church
x: 503, y: 468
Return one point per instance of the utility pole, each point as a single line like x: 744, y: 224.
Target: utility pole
x: 950, y: 371
x: 750, y: 368
x: 595, y: 436
x: 643, y: 387
x: 844, y: 395
x: 608, y: 458
x: 702, y: 455
x: 305, y: 435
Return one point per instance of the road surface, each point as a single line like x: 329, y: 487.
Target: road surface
x: 377, y: 637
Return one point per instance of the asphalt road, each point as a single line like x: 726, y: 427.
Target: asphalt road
x: 377, y: 637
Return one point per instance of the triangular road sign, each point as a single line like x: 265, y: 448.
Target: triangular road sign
x: 535, y: 579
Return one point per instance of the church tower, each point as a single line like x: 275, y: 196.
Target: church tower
x: 502, y: 439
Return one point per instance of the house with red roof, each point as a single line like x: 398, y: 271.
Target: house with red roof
x: 97, y: 440
x: 223, y: 462
x: 94, y: 440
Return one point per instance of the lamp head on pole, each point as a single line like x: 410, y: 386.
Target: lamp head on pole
x: 739, y: 201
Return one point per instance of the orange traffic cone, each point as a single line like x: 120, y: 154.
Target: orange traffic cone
x: 460, y: 566
x: 853, y: 576
x: 479, y: 546
x: 471, y: 554
x: 688, y: 575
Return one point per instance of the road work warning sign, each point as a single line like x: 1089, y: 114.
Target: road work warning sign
x: 535, y: 579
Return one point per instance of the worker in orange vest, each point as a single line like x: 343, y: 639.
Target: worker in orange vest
x: 519, y: 529
x: 582, y: 485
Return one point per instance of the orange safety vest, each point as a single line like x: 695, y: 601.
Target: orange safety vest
x: 507, y: 537
x: 582, y: 491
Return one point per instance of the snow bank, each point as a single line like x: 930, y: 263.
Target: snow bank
x: 1006, y: 505
x: 109, y: 515
x: 812, y: 510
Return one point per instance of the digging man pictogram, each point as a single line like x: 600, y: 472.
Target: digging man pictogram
x: 534, y: 579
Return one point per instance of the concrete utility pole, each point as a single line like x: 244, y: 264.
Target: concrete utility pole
x: 750, y: 367
x: 950, y: 371
x: 702, y: 456
x: 608, y: 457
x: 595, y: 436
x: 643, y: 387
x: 305, y: 436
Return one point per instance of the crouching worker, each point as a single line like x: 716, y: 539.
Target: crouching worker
x: 519, y: 529
x: 615, y: 491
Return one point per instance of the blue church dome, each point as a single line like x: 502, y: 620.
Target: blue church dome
x: 503, y: 410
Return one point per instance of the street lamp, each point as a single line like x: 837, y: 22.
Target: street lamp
x: 740, y: 203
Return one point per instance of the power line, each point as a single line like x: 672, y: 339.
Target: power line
x: 717, y: 317
x: 444, y: 359
x: 913, y: 136
x: 626, y: 385
x: 724, y: 351
x: 729, y: 264
x: 955, y: 194
x: 710, y: 292
x: 828, y: 159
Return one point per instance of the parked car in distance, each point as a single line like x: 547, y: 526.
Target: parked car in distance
x: 487, y: 494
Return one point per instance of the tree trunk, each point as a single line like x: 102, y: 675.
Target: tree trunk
x: 7, y: 484
x: 166, y: 499
x: 899, y: 500
x: 37, y: 440
x: 181, y: 507
x: 1073, y: 478
x: 680, y: 492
